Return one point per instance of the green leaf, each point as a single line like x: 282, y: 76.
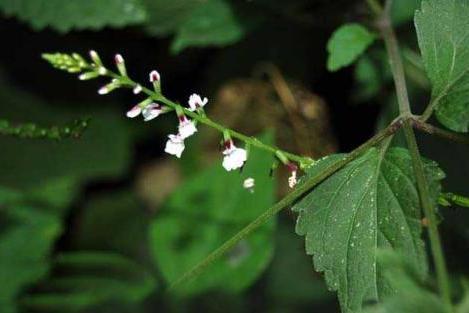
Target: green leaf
x: 64, y: 16
x: 346, y: 44
x: 411, y: 295
x: 204, y: 212
x: 370, y: 204
x: 91, y: 278
x: 166, y: 16
x: 442, y: 29
x: 213, y: 23
x: 402, y: 11
x: 26, y: 238
x: 291, y: 267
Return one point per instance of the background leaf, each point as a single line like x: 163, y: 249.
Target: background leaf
x: 205, y: 211
x: 411, y: 296
x: 166, y: 16
x: 73, y: 161
x: 372, y: 203
x: 212, y: 23
x: 89, y: 279
x: 346, y: 44
x: 64, y: 16
x: 26, y: 238
x: 442, y: 29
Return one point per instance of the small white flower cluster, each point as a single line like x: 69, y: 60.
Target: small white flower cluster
x: 233, y: 157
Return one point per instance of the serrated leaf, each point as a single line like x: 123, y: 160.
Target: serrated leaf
x: 212, y: 23
x: 88, y: 279
x: 370, y: 204
x: 443, y: 36
x: 26, y: 238
x: 208, y: 209
x: 64, y: 16
x: 346, y: 44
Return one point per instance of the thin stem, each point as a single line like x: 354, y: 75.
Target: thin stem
x: 443, y: 133
x: 428, y: 207
x: 422, y: 184
x: 289, y: 199
x: 375, y: 6
x: 395, y: 61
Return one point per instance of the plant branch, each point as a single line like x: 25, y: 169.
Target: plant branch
x: 428, y: 207
x: 443, y: 133
x: 203, y: 119
x: 397, y: 68
x: 395, y: 62
x: 286, y: 201
x: 375, y: 6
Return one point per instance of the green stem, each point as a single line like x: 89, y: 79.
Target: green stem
x: 428, y: 207
x: 395, y: 62
x: 397, y: 68
x: 375, y: 6
x: 289, y: 199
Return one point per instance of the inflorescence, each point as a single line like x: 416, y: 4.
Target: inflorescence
x: 156, y: 104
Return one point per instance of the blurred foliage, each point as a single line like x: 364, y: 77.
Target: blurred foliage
x: 403, y: 275
x: 90, y: 279
x: 78, y: 160
x: 205, y: 211
x: 75, y: 14
x: 27, y: 235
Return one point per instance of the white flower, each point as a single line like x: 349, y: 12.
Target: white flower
x: 151, y: 111
x: 137, y: 89
x: 134, y: 112
x: 249, y: 184
x: 292, y: 179
x: 186, y: 127
x: 196, y: 102
x: 234, y: 157
x: 175, y: 145
x: 154, y: 76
